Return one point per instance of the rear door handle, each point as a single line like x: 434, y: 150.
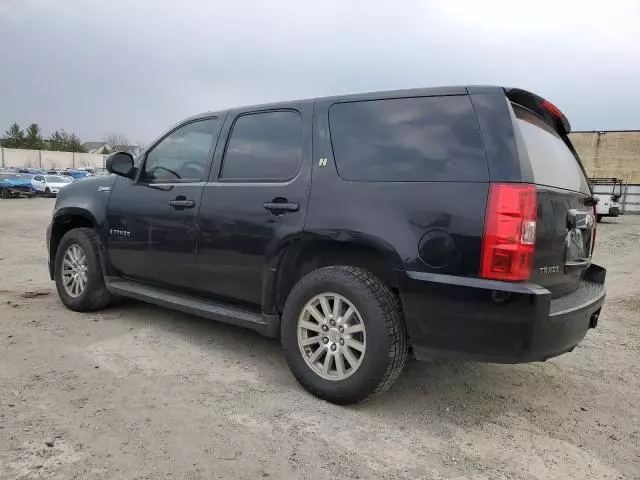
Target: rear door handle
x: 281, y: 207
x: 182, y: 203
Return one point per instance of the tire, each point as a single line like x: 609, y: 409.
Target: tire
x: 378, y: 310
x: 598, y: 218
x: 47, y: 192
x: 94, y: 295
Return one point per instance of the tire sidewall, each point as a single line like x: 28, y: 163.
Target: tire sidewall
x: 94, y: 271
x: 371, y: 372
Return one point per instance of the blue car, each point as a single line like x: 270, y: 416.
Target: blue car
x: 77, y: 173
x: 13, y: 185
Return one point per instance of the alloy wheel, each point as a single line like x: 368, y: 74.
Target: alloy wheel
x: 74, y: 271
x: 331, y: 336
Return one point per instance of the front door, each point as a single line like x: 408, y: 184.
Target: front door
x: 152, y: 220
x: 255, y: 201
x: 38, y: 183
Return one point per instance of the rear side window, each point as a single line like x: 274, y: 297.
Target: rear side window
x: 264, y: 146
x: 408, y: 139
x: 552, y: 162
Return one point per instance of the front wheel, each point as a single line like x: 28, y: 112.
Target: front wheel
x: 343, y: 334
x: 598, y: 218
x: 78, y: 272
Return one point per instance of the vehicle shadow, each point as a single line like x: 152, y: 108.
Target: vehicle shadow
x: 467, y: 391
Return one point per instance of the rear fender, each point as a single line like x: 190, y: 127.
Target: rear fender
x: 323, y: 246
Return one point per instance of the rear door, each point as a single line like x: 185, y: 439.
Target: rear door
x: 255, y: 201
x: 566, y: 223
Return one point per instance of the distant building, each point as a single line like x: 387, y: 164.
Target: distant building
x: 609, y: 154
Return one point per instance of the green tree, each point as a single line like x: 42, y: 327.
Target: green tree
x: 61, y: 141
x: 34, y: 139
x: 14, y: 137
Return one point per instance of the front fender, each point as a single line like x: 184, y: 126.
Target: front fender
x: 88, y: 197
x: 84, y: 204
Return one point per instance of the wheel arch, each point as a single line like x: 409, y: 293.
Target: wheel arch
x: 64, y: 220
x: 309, y: 253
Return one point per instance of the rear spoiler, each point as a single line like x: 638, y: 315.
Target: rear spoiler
x: 541, y: 107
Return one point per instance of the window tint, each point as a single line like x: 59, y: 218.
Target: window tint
x: 408, y: 139
x: 183, y: 155
x: 552, y: 161
x: 264, y: 146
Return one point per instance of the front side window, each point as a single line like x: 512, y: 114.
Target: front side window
x: 182, y: 156
x: 264, y: 146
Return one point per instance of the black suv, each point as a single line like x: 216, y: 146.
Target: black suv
x: 450, y: 222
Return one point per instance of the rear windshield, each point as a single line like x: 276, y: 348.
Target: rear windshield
x: 552, y: 162
x: 417, y: 139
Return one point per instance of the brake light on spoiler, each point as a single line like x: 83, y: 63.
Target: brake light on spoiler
x: 509, y: 240
x: 544, y: 108
x: 552, y: 109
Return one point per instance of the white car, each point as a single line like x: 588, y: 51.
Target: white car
x: 49, y: 184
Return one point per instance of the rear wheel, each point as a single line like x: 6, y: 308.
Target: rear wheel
x: 78, y: 272
x: 343, y: 334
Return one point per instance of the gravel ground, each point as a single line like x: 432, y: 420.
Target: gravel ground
x: 141, y: 392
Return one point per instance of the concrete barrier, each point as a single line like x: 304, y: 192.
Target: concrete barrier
x: 22, y: 158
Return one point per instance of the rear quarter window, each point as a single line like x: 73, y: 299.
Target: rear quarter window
x: 418, y: 139
x: 552, y: 161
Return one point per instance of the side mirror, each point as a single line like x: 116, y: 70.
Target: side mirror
x: 121, y: 163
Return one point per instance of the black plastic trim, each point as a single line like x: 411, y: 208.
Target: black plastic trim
x: 194, y: 305
x: 515, y: 287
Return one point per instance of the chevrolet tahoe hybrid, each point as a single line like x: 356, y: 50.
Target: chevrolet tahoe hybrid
x: 447, y: 222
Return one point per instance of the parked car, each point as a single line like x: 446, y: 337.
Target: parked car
x: 13, y: 185
x: 49, y: 185
x: 452, y: 222
x: 608, y: 204
x: 76, y: 173
x: 100, y: 172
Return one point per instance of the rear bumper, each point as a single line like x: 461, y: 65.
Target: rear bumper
x: 484, y: 320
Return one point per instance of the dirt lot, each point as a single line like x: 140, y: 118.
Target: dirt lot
x: 141, y: 392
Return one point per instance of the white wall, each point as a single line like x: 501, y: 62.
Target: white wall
x: 21, y: 158
x: 14, y: 157
x: 50, y: 159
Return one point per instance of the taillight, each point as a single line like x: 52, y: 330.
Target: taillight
x: 552, y: 109
x: 509, y: 241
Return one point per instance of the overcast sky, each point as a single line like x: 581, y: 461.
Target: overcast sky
x: 138, y: 66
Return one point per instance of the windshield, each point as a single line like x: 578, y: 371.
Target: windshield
x: 54, y: 179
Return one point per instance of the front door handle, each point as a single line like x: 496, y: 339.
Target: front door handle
x: 182, y: 202
x: 280, y: 206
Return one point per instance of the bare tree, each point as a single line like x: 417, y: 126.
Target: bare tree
x: 141, y: 146
x: 117, y: 142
